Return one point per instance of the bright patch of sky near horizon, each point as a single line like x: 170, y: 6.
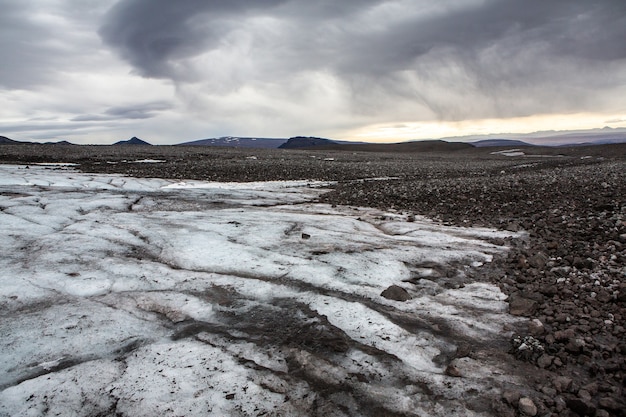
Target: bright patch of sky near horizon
x: 169, y: 72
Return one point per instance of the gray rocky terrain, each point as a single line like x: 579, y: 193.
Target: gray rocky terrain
x: 567, y: 276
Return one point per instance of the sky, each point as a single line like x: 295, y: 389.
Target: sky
x: 99, y: 71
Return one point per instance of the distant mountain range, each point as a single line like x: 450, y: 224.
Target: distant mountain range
x: 605, y: 135
x: 499, y: 142
x: 237, y: 142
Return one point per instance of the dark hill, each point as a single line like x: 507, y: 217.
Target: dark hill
x: 61, y: 142
x: 132, y: 141
x: 306, y: 142
x: 6, y: 141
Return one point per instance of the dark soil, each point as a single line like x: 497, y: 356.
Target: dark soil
x: 568, y: 275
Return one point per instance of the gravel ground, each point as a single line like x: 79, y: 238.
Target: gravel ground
x: 568, y: 276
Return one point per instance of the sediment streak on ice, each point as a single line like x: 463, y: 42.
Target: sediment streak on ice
x: 156, y: 297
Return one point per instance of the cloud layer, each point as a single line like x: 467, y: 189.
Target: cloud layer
x: 281, y: 67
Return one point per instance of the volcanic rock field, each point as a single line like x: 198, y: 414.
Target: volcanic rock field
x: 557, y: 253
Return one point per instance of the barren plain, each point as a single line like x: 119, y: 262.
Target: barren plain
x: 553, y: 226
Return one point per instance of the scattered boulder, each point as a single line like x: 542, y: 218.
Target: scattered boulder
x: 452, y: 370
x: 396, y: 293
x: 511, y: 397
x: 520, y: 306
x: 544, y: 361
x: 581, y: 406
x: 527, y: 407
x: 536, y: 327
x: 612, y: 404
x: 562, y: 383
x: 538, y: 260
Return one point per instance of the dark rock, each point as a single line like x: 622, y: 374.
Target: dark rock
x: 603, y: 296
x: 561, y: 271
x: 536, y: 327
x: 581, y: 406
x: 538, y: 260
x: 527, y: 407
x: 511, y: 397
x: 452, y: 370
x: 463, y: 350
x: 581, y: 263
x: 549, y: 290
x: 520, y: 306
x: 306, y: 236
x: 396, y: 293
x: 562, y: 335
x: 559, y: 404
x: 613, y: 404
x: 544, y: 361
x: 562, y: 383
x: 575, y: 345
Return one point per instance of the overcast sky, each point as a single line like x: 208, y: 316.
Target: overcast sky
x: 97, y: 71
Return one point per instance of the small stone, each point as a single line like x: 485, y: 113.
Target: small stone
x: 561, y: 271
x: 536, y: 328
x: 452, y: 370
x: 520, y: 306
x: 581, y: 406
x: 463, y: 350
x: 575, y: 345
x: 527, y: 407
x: 511, y: 397
x: 306, y: 236
x: 559, y: 404
x: 562, y: 335
x: 538, y: 260
x: 550, y: 392
x: 562, y: 383
x: 603, y: 296
x: 544, y: 361
x: 549, y: 290
x: 612, y: 404
x: 396, y: 293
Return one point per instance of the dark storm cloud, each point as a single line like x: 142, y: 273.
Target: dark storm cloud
x: 590, y: 30
x: 152, y: 35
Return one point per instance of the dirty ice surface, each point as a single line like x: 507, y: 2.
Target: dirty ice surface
x: 143, y: 297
